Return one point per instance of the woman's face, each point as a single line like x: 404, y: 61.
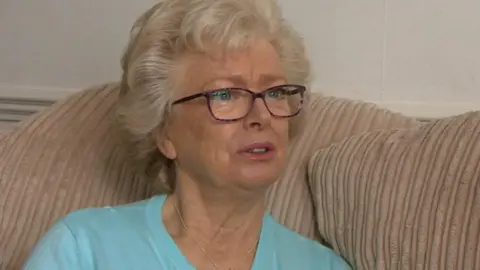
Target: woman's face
x: 246, y: 154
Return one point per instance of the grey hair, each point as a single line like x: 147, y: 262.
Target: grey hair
x: 169, y: 29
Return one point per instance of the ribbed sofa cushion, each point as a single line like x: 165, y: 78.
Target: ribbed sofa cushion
x: 70, y: 157
x: 403, y: 199
x: 62, y: 159
x: 329, y: 120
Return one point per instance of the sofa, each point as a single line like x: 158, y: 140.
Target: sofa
x: 383, y: 190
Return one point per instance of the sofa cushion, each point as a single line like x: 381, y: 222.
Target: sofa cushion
x: 403, y: 199
x: 329, y: 120
x: 64, y: 158
x: 70, y: 156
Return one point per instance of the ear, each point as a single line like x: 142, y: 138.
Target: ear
x: 166, y: 146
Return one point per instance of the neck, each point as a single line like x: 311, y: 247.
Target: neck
x: 221, y: 223
x: 214, y: 215
x: 219, y: 216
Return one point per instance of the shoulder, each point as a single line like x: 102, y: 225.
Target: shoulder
x: 106, y: 217
x: 294, y: 247
x: 77, y: 240
x: 110, y: 224
x: 107, y: 227
x: 57, y: 249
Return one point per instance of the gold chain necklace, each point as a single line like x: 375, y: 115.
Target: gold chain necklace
x: 214, y: 265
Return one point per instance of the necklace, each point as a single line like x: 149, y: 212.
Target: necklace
x: 214, y: 265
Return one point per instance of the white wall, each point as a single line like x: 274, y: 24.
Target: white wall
x: 420, y: 57
x: 57, y: 46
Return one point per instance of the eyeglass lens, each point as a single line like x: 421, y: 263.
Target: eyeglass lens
x: 233, y: 103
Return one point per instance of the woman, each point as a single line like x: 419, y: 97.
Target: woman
x: 210, y: 92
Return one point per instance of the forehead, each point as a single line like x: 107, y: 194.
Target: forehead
x: 253, y: 66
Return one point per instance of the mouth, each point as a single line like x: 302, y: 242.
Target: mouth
x: 258, y: 151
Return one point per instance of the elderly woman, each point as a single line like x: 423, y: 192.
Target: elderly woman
x: 210, y: 95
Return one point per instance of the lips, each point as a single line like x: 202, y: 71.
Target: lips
x: 258, y: 151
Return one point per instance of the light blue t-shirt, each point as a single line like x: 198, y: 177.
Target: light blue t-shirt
x: 133, y: 237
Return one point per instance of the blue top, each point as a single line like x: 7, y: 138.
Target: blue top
x: 133, y: 237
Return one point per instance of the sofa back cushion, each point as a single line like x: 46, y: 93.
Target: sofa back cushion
x: 403, y: 199
x: 70, y: 157
x: 329, y: 120
x: 64, y: 158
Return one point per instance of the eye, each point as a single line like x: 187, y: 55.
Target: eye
x: 277, y: 93
x: 221, y: 94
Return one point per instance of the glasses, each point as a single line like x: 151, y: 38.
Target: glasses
x: 231, y: 104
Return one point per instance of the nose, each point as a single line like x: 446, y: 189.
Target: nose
x: 259, y: 116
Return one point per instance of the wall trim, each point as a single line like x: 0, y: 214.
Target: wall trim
x: 35, y: 93
x: 17, y: 103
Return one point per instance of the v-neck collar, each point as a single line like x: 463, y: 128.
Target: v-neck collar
x: 167, y: 248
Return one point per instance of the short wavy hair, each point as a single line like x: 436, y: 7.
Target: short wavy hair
x: 169, y: 29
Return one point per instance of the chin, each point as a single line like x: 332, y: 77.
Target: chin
x: 256, y: 174
x: 257, y: 180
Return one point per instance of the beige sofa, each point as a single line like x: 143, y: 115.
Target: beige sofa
x: 383, y: 190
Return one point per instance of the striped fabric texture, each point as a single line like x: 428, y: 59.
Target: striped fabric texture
x: 403, y: 199
x: 329, y: 120
x: 70, y: 157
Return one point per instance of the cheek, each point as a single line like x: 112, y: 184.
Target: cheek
x: 214, y: 151
x: 187, y: 135
x: 217, y: 142
x: 200, y: 136
x: 281, y: 128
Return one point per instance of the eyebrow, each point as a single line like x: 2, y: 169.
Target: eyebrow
x: 263, y: 79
